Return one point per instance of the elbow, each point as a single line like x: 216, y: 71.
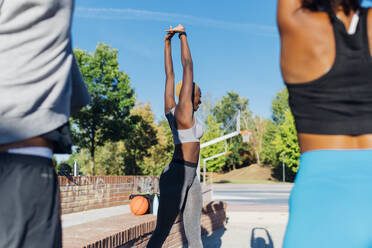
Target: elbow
x: 169, y: 75
x: 187, y: 63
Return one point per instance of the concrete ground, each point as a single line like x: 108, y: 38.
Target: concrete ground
x: 92, y: 215
x: 257, y: 216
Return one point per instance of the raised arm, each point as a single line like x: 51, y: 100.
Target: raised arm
x: 286, y: 14
x: 184, y: 113
x: 169, y: 74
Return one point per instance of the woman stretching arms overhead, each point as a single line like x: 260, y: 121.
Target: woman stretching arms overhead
x: 180, y: 189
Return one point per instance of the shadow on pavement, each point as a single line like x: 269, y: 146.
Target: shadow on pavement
x: 260, y: 238
x: 214, y: 239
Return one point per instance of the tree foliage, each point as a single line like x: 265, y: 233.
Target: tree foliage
x: 280, y: 106
x: 127, y: 156
x: 107, y: 117
x: 225, y: 109
x: 269, y: 153
x: 82, y: 157
x: 286, y: 143
x: 280, y: 138
x: 139, y: 141
x: 161, y: 153
x: 205, y: 108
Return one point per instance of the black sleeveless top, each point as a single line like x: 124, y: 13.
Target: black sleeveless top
x: 340, y: 102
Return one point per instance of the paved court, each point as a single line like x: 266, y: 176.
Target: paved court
x: 257, y: 216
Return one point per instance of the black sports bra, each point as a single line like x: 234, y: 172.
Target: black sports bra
x: 340, y: 102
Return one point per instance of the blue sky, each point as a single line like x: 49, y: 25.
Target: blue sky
x: 234, y: 45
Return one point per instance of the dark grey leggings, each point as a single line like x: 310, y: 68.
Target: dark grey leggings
x: 180, y: 190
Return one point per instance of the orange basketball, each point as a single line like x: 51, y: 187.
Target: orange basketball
x: 139, y: 205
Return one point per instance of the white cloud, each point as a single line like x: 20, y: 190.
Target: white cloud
x: 145, y: 15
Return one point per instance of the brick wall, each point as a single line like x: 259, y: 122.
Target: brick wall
x: 213, y: 217
x: 85, y: 193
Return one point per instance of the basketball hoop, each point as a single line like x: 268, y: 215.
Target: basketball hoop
x: 245, y: 136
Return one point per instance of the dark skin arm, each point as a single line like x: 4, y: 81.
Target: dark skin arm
x: 169, y: 74
x: 286, y: 12
x: 184, y: 113
x: 184, y: 108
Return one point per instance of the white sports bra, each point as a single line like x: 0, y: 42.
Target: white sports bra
x: 181, y: 136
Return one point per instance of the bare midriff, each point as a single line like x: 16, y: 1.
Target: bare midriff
x: 311, y: 142
x: 32, y: 142
x: 187, y: 152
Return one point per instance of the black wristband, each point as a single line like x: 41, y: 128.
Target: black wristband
x: 182, y: 33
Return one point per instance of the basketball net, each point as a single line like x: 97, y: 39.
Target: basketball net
x: 246, y: 136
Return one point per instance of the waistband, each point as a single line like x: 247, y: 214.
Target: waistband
x: 185, y: 163
x: 338, y: 152
x: 339, y: 167
x: 6, y: 158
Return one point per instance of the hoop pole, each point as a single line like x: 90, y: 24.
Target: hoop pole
x: 238, y: 122
x: 205, y: 161
x: 283, y: 168
x: 204, y: 172
x: 227, y: 136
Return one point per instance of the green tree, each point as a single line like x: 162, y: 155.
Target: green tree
x: 139, y: 141
x: 161, y: 153
x: 82, y: 158
x: 241, y: 154
x: 280, y: 138
x: 225, y: 112
x: 205, y: 108
x: 225, y: 109
x: 109, y: 159
x: 269, y: 153
x: 286, y: 143
x: 280, y: 106
x: 107, y: 117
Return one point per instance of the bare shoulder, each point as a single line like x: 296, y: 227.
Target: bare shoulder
x: 369, y: 26
x: 307, y: 46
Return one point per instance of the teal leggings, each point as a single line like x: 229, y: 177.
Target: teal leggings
x: 331, y: 202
